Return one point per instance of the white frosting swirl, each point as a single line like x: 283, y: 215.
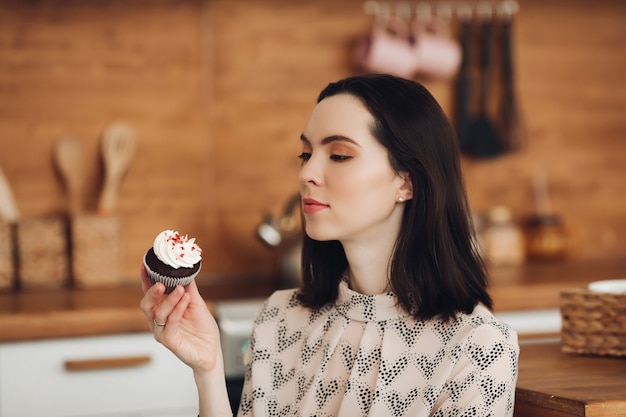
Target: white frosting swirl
x: 175, y: 250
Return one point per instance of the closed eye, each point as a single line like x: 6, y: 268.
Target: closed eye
x: 341, y: 148
x: 305, y: 156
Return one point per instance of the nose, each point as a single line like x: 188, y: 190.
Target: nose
x: 310, y: 173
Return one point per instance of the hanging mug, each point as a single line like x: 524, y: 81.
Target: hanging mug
x: 436, y: 53
x: 386, y: 49
x: 395, y: 47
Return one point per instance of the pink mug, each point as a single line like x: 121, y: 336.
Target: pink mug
x: 409, y: 50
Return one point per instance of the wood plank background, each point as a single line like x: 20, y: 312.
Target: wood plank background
x: 218, y: 91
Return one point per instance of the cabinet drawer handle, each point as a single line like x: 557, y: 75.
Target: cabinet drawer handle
x: 106, y: 363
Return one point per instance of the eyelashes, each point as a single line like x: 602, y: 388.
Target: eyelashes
x: 305, y: 156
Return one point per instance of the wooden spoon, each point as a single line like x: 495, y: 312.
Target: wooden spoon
x: 118, y: 148
x: 8, y: 208
x: 69, y: 157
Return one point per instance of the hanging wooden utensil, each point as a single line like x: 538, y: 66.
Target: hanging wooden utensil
x: 483, y: 139
x: 69, y: 157
x: 8, y: 207
x: 118, y: 148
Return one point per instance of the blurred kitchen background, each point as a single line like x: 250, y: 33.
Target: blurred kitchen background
x: 217, y: 92
x: 197, y: 106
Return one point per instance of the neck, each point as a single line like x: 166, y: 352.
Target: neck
x: 369, y: 263
x: 369, y: 281
x: 369, y: 252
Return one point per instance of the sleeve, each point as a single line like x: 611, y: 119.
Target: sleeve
x: 483, y: 380
x: 247, y: 392
x: 245, y: 403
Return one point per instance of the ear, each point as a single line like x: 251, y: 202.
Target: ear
x: 405, y: 191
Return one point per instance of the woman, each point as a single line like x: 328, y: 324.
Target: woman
x: 392, y: 316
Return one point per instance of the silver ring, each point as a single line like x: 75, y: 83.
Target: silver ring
x: 158, y: 324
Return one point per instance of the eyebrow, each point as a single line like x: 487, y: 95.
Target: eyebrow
x: 330, y: 139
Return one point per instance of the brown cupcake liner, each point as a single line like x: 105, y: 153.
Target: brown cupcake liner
x: 169, y: 282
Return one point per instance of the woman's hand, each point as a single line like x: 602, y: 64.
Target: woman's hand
x: 182, y: 322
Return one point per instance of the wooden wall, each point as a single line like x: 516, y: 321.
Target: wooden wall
x: 218, y: 91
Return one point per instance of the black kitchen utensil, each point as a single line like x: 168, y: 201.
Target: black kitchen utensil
x: 483, y: 140
x: 463, y: 83
x: 510, y: 127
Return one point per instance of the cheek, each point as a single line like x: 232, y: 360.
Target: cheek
x: 350, y: 188
x: 343, y: 183
x: 365, y: 187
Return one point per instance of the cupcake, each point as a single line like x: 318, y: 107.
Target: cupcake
x: 173, y: 260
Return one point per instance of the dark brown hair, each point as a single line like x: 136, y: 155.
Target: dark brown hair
x: 435, y: 268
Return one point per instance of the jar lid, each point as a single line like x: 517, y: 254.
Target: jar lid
x: 500, y: 214
x: 543, y: 220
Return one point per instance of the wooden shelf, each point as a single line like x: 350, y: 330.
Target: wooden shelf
x: 74, y: 312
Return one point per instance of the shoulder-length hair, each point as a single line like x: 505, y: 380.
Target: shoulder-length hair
x: 435, y: 269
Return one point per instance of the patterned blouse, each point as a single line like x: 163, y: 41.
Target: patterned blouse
x: 364, y: 356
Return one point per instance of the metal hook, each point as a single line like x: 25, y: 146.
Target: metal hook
x: 507, y: 8
x: 403, y: 10
x: 444, y: 11
x: 371, y: 8
x: 484, y: 11
x: 426, y: 10
x: 423, y: 11
x: 464, y: 12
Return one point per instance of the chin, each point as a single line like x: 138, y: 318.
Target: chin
x: 320, y: 235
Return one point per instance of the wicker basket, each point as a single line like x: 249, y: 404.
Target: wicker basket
x: 95, y: 251
x: 593, y: 323
x: 7, y: 261
x: 43, y: 256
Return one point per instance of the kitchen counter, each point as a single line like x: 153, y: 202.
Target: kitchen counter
x: 92, y: 312
x: 538, y: 286
x: 556, y: 384
x: 76, y: 312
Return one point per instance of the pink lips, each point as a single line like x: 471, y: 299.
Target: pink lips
x: 310, y: 206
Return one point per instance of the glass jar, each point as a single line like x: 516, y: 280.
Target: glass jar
x: 546, y: 238
x: 503, y: 239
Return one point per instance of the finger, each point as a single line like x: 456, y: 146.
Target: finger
x: 167, y: 305
x: 151, y: 300
x: 193, y: 291
x: 157, y: 325
x: 180, y: 308
x: 145, y: 281
x: 197, y: 303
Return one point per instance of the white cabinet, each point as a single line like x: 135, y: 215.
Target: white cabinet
x: 127, y: 375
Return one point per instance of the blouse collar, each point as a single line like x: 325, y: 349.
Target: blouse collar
x: 367, y: 308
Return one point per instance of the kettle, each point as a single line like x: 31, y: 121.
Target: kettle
x: 281, y: 233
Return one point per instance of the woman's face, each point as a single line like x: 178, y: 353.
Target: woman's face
x: 349, y: 190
